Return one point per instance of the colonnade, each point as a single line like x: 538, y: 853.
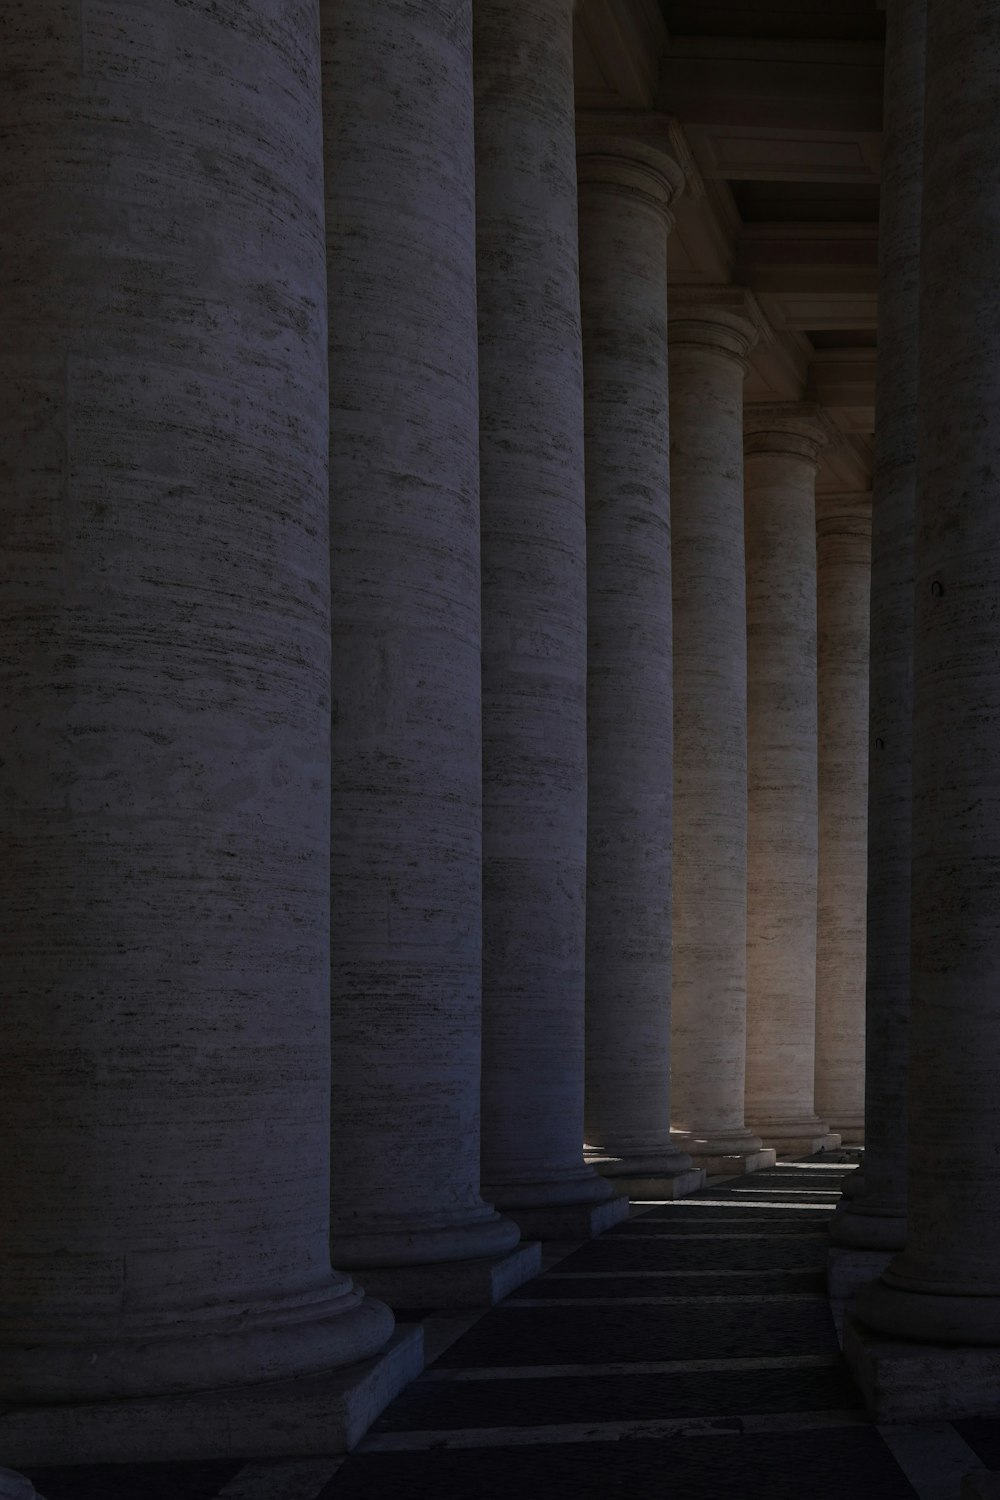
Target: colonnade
x: 341, y: 634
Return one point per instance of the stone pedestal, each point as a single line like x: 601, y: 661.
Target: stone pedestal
x: 456, y: 1284
x: 847, y: 1271
x: 944, y: 1288
x: 712, y: 331
x: 625, y: 193
x: 783, y: 447
x: 534, y: 595
x: 909, y: 1381
x: 404, y: 500
x: 881, y: 1219
x: 843, y: 583
x: 165, y: 682
x: 312, y: 1414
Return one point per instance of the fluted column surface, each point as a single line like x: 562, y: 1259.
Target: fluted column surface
x: 625, y: 193
x: 783, y: 447
x: 165, y: 679
x: 711, y: 335
x: 945, y: 1286
x: 843, y: 582
x: 404, y: 491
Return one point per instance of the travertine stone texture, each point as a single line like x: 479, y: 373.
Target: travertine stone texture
x: 404, y: 488
x: 534, y: 608
x: 843, y: 583
x: 945, y: 1286
x: 308, y: 1414
x: 878, y: 1216
x: 909, y: 1381
x: 782, y: 450
x: 625, y: 193
x: 711, y: 334
x: 164, y: 786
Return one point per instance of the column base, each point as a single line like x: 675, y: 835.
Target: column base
x: 847, y: 1271
x: 910, y: 1382
x: 16, y: 1487
x: 659, y: 1174
x: 399, y: 1243
x: 856, y: 1228
x: 313, y: 1414
x: 454, y: 1283
x: 850, y: 1128
x: 571, y: 1221
x: 796, y: 1137
x: 726, y: 1153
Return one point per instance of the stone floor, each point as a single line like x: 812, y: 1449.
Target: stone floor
x: 688, y: 1354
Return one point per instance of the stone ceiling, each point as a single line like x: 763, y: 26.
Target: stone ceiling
x: 777, y: 109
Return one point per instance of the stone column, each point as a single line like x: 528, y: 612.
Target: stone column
x: 534, y: 621
x: 625, y: 193
x: 945, y: 1286
x: 843, y: 582
x: 711, y: 334
x: 876, y: 1218
x: 782, y: 452
x: 164, y: 784
x: 404, y: 471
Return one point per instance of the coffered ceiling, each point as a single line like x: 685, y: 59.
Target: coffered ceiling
x: 776, y: 112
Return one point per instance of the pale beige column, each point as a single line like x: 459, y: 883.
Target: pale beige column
x: 782, y: 452
x: 876, y: 1218
x: 843, y: 583
x: 711, y: 334
x: 406, y: 747
x: 534, y: 662
x: 626, y: 189
x: 945, y: 1286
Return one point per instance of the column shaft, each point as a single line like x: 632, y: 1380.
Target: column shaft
x: 783, y: 446
x: 945, y: 1286
x: 534, y: 609
x: 404, y: 459
x: 877, y: 1217
x: 843, y: 582
x: 164, y: 1032
x: 711, y: 335
x: 625, y: 193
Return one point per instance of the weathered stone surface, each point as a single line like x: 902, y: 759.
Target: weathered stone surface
x: 325, y: 1413
x: 843, y: 582
x: 16, y: 1487
x: 534, y: 608
x: 456, y: 1284
x: 945, y: 1286
x: 883, y: 1200
x: 712, y: 332
x: 909, y: 1381
x: 625, y: 193
x: 783, y: 447
x: 164, y: 785
x: 404, y: 475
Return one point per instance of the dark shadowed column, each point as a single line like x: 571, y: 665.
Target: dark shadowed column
x: 782, y: 453
x: 164, y: 782
x: 404, y: 487
x: 625, y: 193
x: 712, y: 332
x: 534, y: 621
x: 875, y: 1219
x: 843, y: 582
x: 945, y: 1286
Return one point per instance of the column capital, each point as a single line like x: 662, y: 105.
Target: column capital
x: 643, y: 156
x: 725, y: 319
x: 797, y: 429
x: 844, y: 512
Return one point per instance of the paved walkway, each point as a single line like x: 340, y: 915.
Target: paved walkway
x: 688, y: 1354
